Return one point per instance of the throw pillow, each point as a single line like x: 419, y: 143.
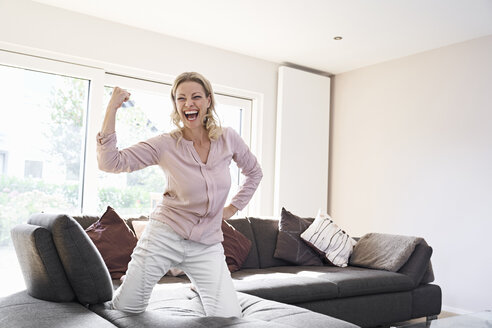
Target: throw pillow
x: 329, y: 240
x: 290, y: 247
x: 114, y: 240
x: 236, y: 247
x: 139, y: 227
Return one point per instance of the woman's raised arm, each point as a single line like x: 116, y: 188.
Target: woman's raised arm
x: 109, y: 157
x: 118, y: 97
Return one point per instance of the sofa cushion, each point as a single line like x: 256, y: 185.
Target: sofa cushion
x: 236, y: 247
x: 377, y: 310
x: 43, y: 272
x: 279, y: 284
x: 354, y: 281
x: 114, y: 240
x: 426, y: 300
x: 182, y: 308
x: 129, y: 221
x: 290, y: 247
x: 277, y: 313
x: 21, y: 310
x: 81, y: 260
x: 266, y: 232
x: 243, y: 225
x: 329, y: 240
x: 298, y: 284
x: 86, y: 221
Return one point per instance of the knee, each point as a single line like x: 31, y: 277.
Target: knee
x: 129, y: 307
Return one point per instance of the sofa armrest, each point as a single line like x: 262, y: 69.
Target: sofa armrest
x: 418, y: 264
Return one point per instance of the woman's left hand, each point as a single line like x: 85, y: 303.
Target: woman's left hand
x: 229, y: 211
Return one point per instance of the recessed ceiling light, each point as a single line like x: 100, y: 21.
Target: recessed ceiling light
x: 337, y: 38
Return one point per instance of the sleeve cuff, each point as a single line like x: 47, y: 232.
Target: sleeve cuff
x: 237, y: 205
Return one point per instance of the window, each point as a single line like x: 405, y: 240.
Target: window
x: 44, y: 136
x: 3, y: 162
x: 33, y: 169
x: 42, y: 139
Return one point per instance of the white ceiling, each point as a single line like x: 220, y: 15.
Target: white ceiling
x: 301, y: 32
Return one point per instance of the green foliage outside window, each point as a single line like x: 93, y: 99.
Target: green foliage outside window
x: 21, y: 197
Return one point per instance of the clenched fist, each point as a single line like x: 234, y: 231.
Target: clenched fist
x: 118, y: 97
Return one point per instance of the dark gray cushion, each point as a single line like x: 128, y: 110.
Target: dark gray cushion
x: 285, y: 287
x: 23, y: 311
x: 86, y: 220
x: 354, y: 281
x: 82, y: 262
x: 266, y: 231
x: 426, y: 300
x: 244, y: 226
x: 290, y: 247
x: 277, y: 314
x: 378, y: 310
x: 182, y: 308
x: 417, y: 264
x: 41, y: 267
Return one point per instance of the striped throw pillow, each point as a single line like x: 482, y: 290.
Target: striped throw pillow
x: 334, y: 244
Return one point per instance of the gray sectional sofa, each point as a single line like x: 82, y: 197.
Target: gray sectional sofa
x: 68, y: 285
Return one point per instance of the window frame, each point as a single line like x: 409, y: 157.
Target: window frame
x: 4, y: 159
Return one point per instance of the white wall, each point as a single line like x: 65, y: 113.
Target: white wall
x: 411, y: 153
x: 55, y: 33
x: 303, y: 127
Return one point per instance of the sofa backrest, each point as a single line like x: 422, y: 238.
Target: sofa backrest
x: 82, y: 262
x: 418, y: 265
x: 86, y: 221
x: 266, y: 232
x: 263, y: 232
x: 263, y: 235
x: 40, y: 264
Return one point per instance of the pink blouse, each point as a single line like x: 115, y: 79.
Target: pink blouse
x: 195, y: 194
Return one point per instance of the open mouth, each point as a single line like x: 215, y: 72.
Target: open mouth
x: 191, y: 115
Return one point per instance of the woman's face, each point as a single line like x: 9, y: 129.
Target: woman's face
x: 192, y: 104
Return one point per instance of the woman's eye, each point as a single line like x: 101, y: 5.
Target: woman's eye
x: 197, y: 97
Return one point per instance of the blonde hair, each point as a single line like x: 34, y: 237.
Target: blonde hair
x: 211, y: 122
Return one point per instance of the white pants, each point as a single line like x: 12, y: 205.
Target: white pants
x: 161, y: 248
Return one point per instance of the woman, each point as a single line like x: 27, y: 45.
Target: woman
x: 184, y: 230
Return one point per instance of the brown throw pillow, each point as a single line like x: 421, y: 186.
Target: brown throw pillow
x: 290, y: 247
x: 236, y: 247
x: 114, y: 240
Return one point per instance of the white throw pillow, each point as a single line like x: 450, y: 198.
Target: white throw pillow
x: 329, y: 240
